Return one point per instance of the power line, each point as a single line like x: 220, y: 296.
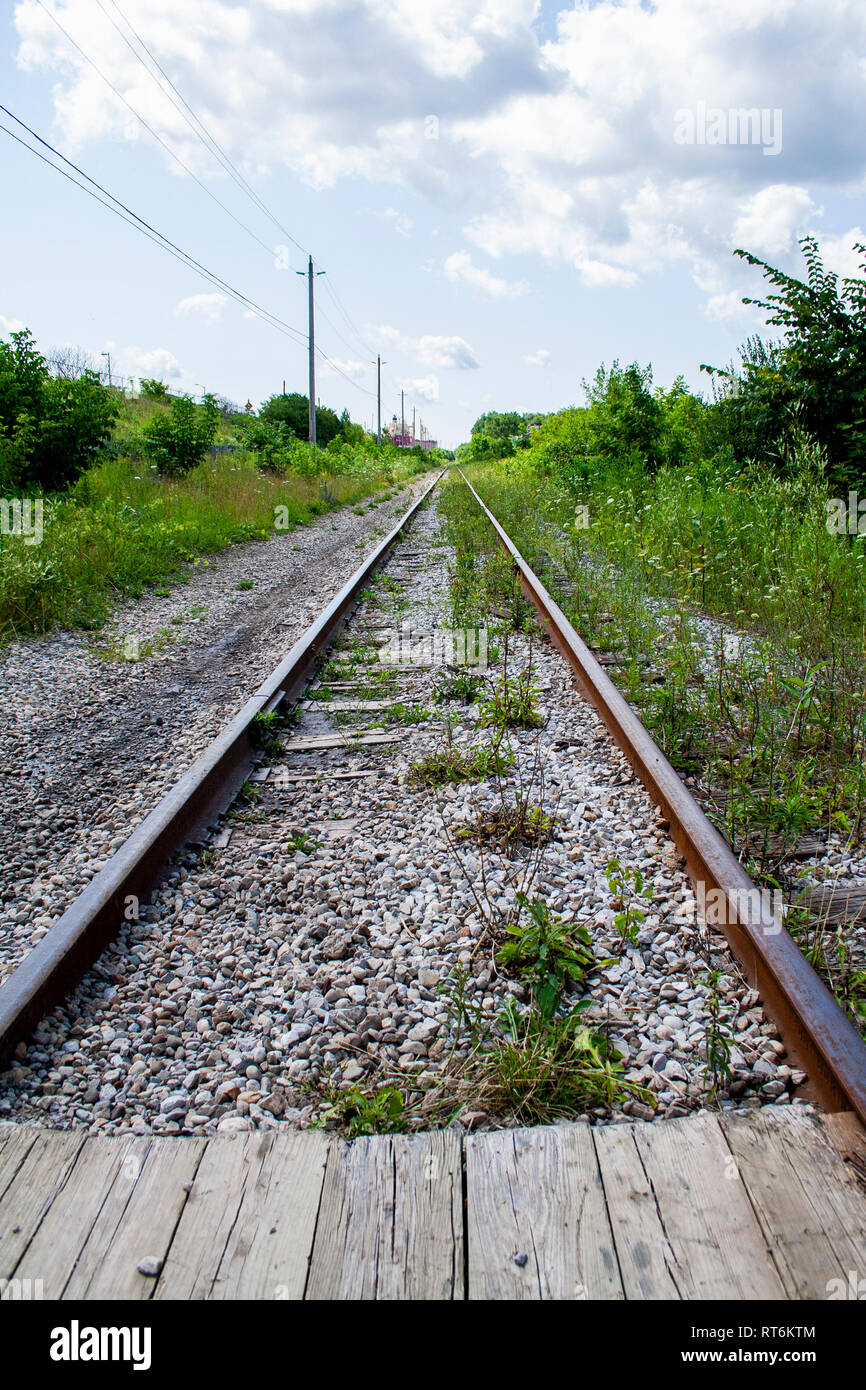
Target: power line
x: 126, y: 214
x: 195, y: 123
x: 203, y: 134
x: 151, y: 131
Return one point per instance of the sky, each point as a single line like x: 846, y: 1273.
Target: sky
x: 502, y: 194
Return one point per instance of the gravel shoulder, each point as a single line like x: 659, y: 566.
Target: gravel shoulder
x: 89, y: 741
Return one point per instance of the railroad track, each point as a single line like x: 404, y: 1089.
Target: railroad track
x: 307, y: 928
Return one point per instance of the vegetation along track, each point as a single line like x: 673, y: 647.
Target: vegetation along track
x: 441, y: 893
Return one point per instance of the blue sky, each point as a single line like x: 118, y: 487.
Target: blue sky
x: 565, y: 211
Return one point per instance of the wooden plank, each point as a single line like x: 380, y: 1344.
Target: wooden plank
x: 120, y: 1204
x: 811, y: 1211
x: 348, y: 706
x: 34, y: 1165
x: 391, y: 1221
x: 247, y: 1228
x: 705, y: 1211
x: 849, y: 1137
x: 647, y: 1261
x: 319, y: 741
x: 137, y: 1220
x: 537, y: 1193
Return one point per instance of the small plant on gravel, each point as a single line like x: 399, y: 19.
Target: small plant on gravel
x: 454, y: 764
x: 363, y: 1110
x: 547, y: 952
x: 544, y: 1070
x: 626, y: 884
x: 464, y: 1011
x: 264, y: 732
x: 510, y: 704
x: 460, y: 685
x: 303, y: 843
x: 717, y: 1038
x: 245, y: 584
x: 510, y: 826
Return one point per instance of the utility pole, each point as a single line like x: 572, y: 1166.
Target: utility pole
x: 402, y: 418
x: 108, y: 355
x: 311, y: 275
x: 379, y: 398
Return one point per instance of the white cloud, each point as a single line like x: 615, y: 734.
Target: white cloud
x: 210, y: 306
x: 562, y: 148
x: 728, y: 309
x: 431, y: 349
x: 539, y: 358
x: 459, y: 267
x: 155, y: 362
x: 772, y: 219
x: 838, y: 253
x: 8, y: 326
x: 402, y: 223
x: 349, y: 368
x: 424, y: 388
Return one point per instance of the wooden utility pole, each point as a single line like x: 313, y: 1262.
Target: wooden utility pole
x: 311, y: 275
x: 379, y: 399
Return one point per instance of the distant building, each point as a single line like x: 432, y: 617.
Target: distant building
x: 409, y: 440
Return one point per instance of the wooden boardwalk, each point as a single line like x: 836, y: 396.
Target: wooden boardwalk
x: 751, y: 1206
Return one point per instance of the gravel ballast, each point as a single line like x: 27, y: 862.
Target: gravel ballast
x: 311, y: 945
x: 89, y: 742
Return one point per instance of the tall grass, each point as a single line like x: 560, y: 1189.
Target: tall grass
x: 122, y: 527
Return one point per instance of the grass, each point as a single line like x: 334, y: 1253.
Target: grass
x: 122, y: 528
x: 447, y: 765
x: 767, y: 716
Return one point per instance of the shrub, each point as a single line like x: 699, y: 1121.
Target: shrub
x: 176, y: 442
x: 51, y: 428
x: 154, y: 390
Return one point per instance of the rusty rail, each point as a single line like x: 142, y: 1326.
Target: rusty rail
x: 58, y: 961
x: 818, y: 1036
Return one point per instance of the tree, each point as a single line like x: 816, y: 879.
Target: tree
x: 293, y: 410
x: 814, y: 378
x: 625, y: 418
x: 177, y: 440
x: 51, y: 427
x: 500, y: 425
x: 153, y: 390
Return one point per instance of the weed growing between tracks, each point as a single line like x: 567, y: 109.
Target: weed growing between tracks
x: 765, y: 718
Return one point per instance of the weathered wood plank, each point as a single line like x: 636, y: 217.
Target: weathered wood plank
x: 810, y: 1209
x: 390, y: 1224
x: 705, y: 1211
x: 247, y: 1229
x: 849, y: 1137
x: 34, y: 1166
x: 347, y: 740
x: 647, y: 1261
x: 537, y: 1227
x: 137, y: 1219
x: 119, y: 1204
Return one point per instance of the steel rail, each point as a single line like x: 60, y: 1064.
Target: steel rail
x: 818, y: 1036
x: 57, y: 962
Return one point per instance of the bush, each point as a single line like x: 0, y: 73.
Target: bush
x: 154, y: 390
x: 51, y: 428
x: 176, y: 442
